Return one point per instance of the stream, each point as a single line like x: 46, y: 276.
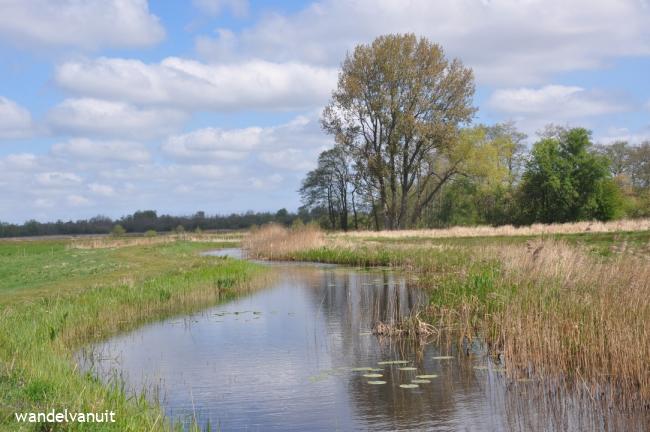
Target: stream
x: 289, y: 357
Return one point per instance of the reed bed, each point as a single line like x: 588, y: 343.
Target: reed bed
x: 623, y: 225
x: 545, y: 307
x: 277, y: 242
x: 576, y: 314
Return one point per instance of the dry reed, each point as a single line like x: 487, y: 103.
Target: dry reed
x: 274, y: 241
x: 509, y: 230
x: 576, y: 314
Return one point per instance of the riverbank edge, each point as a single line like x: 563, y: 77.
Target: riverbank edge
x: 38, y: 372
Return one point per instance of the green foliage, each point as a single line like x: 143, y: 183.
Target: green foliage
x: 118, y: 231
x: 150, y: 233
x: 58, y: 312
x: 565, y: 181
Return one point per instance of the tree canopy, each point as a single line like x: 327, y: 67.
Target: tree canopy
x: 397, y: 111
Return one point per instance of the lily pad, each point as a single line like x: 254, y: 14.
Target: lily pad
x: 376, y: 382
x: 407, y: 368
x: 481, y: 368
x: 361, y: 369
x: 409, y: 386
x: 365, y: 333
x: 426, y: 377
x: 420, y: 381
x: 443, y: 357
x: 372, y: 375
x: 391, y: 362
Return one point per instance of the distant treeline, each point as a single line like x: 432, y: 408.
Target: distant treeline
x: 147, y: 220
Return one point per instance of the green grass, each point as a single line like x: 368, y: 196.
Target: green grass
x: 54, y: 299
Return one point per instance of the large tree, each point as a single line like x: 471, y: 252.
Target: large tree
x: 396, y: 110
x: 565, y: 180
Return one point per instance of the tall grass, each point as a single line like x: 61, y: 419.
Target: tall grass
x: 577, y: 314
x: 509, y: 230
x: 274, y: 241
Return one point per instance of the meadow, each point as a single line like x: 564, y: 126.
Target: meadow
x: 58, y: 295
x: 563, y: 302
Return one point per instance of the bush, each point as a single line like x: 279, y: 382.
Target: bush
x: 150, y: 233
x: 118, y: 231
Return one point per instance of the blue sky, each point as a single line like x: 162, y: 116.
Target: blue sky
x: 107, y: 107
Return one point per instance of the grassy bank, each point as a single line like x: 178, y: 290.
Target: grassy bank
x: 54, y: 298
x: 569, y: 305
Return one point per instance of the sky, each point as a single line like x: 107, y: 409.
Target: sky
x: 111, y: 106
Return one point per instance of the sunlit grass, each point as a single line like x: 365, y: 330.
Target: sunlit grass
x: 54, y: 299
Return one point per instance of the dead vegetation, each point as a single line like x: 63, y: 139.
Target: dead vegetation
x: 276, y: 242
x: 510, y: 230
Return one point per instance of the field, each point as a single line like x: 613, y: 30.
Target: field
x: 567, y: 303
x: 57, y: 295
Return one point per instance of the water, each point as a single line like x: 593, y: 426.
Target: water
x: 280, y: 360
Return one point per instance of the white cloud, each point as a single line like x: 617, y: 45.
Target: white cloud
x: 86, y: 149
x: 505, y: 41
x: 43, y: 203
x: 555, y: 102
x: 238, y: 8
x: 116, y: 119
x: 57, y: 179
x: 214, y: 144
x: 77, y: 200
x: 293, y: 145
x: 289, y: 159
x: 20, y: 161
x: 193, y: 85
x: 86, y: 24
x: 101, y: 189
x: 612, y: 135
x: 15, y: 121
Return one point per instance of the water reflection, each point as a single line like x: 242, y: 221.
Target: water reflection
x: 280, y: 359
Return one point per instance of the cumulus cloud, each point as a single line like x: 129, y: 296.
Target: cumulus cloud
x: 554, y: 101
x: 86, y: 24
x: 506, y: 41
x: 97, y: 150
x: 213, y: 143
x: 193, y: 85
x: 534, y: 108
x: 15, y: 121
x: 101, y: 189
x: 293, y: 145
x: 77, y: 200
x: 21, y: 161
x: 88, y: 116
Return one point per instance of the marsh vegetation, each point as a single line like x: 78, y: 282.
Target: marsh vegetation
x: 566, y: 305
